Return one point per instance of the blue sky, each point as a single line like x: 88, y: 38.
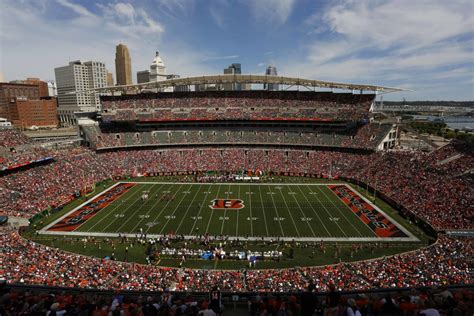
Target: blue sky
x: 425, y: 46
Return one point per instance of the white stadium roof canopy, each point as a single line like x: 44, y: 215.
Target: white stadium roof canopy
x: 253, y: 79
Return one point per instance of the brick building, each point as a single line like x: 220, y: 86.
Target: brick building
x: 9, y: 91
x: 26, y: 103
x: 26, y: 113
x: 42, y: 86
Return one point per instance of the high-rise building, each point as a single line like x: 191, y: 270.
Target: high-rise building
x: 52, y: 89
x: 158, y: 71
x: 110, y: 79
x: 235, y: 69
x: 123, y: 65
x: 271, y: 71
x: 143, y: 76
x: 78, y: 76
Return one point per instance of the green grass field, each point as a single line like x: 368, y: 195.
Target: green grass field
x: 306, y: 211
x: 279, y: 214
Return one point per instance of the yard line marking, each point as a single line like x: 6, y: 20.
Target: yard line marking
x: 133, y: 213
x: 278, y: 215
x: 187, y: 209
x: 111, y: 210
x: 238, y: 212
x: 345, y: 217
x: 327, y: 211
x: 164, y: 207
x: 251, y: 216
x: 150, y: 209
x: 199, y: 213
x: 263, y: 209
x: 225, y: 211
x: 289, y: 212
x: 314, y: 211
x: 301, y: 210
x: 136, y: 212
x: 212, y: 210
x: 174, y: 211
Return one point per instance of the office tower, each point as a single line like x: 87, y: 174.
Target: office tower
x: 143, y: 76
x: 123, y: 65
x: 79, y: 76
x: 157, y: 69
x: 52, y: 89
x: 271, y: 71
x: 110, y: 79
x: 233, y: 69
x: 158, y: 72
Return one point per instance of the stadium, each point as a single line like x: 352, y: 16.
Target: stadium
x: 248, y: 191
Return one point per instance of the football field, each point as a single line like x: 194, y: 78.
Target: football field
x: 306, y: 212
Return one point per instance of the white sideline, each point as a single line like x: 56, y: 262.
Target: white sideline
x: 302, y: 239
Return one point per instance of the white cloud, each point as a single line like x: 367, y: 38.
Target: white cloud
x: 219, y: 12
x: 175, y: 9
x: 217, y: 16
x: 126, y: 10
x: 136, y: 23
x: 388, y: 42
x: 402, y: 22
x: 88, y: 35
x: 75, y: 7
x: 272, y: 11
x: 220, y: 57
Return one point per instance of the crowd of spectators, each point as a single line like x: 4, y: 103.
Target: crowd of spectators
x: 17, y: 150
x: 10, y: 137
x: 28, y: 192
x: 367, y: 136
x: 430, y: 186
x: 442, y: 301
x: 453, y: 157
x: 26, y: 262
x: 245, y: 105
x: 440, y: 197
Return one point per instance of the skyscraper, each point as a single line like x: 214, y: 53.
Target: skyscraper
x: 110, y: 79
x: 78, y: 76
x: 123, y: 65
x: 233, y: 69
x: 143, y: 76
x: 158, y: 71
x: 271, y: 71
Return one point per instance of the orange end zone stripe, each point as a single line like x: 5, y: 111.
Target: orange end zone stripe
x: 81, y: 215
x: 376, y: 221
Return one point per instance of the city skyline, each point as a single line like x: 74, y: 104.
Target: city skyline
x: 386, y: 43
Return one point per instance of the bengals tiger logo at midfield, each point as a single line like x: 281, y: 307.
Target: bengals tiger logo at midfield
x: 235, y: 204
